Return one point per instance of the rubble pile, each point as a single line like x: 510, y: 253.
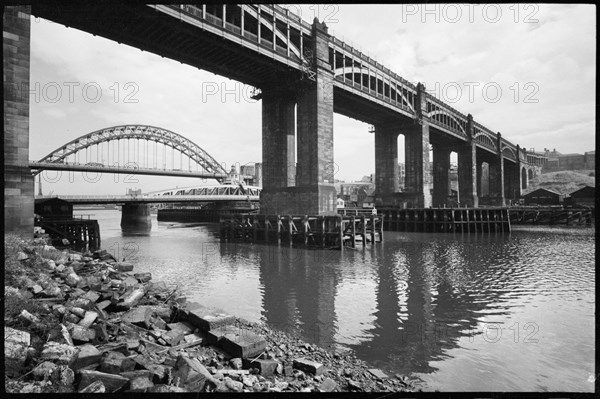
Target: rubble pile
x: 96, y: 326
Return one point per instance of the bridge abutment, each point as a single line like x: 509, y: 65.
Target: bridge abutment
x: 18, y: 180
x: 135, y: 218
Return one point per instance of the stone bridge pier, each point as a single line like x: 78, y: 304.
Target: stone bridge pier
x: 305, y: 187
x: 135, y: 218
x: 418, y: 172
x: 18, y: 180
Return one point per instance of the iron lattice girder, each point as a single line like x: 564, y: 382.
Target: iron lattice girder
x: 141, y: 132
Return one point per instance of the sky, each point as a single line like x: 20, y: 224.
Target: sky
x: 526, y: 70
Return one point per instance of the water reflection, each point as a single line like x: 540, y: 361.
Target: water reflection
x: 299, y: 289
x: 429, y: 292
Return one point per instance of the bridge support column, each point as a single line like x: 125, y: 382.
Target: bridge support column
x: 386, y: 163
x: 418, y: 170
x: 314, y: 192
x: 18, y: 180
x: 467, y: 169
x: 136, y: 219
x: 479, y: 178
x: 441, y: 175
x: 278, y: 139
x: 518, y: 182
x: 498, y: 180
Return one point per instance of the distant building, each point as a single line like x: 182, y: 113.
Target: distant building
x: 543, y: 196
x: 368, y: 202
x: 573, y: 161
x: 585, y: 196
x: 341, y: 203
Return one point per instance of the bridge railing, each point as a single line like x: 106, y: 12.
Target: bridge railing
x: 390, y: 88
x: 446, y: 117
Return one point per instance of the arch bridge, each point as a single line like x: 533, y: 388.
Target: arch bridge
x: 133, y: 149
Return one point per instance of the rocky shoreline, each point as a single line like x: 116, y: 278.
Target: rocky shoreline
x: 83, y: 322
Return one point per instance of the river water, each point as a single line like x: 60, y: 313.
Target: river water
x: 512, y: 312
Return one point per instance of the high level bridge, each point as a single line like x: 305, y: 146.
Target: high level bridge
x: 304, y: 75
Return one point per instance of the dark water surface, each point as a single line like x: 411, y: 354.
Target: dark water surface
x: 508, y: 312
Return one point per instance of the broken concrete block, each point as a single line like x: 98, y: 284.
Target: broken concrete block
x: 92, y: 296
x: 22, y: 256
x: 95, y: 387
x: 71, y: 318
x: 60, y: 353
x: 308, y: 366
x: 191, y: 374
x: 132, y: 297
x: 15, y: 350
x: 75, y: 257
x: 232, y: 385
x: 209, y: 318
x: 61, y: 335
x: 79, y: 312
x: 36, y: 289
x: 328, y: 385
x: 163, y: 388
x: 112, y: 382
x: 44, y: 370
x: 163, y: 311
x: 123, y: 266
x: 130, y: 281
x: 158, y: 371
x: 95, y: 283
x: 103, y: 305
x: 266, y: 367
x: 380, y: 375
x: 81, y: 334
x: 140, y: 384
x: 214, y: 336
x: 53, y: 291
x: 184, y: 327
x: 242, y: 343
x: 29, y: 318
x: 72, y: 279
x: 158, y: 322
x: 17, y: 336
x: 143, y: 277
x: 100, y: 334
x: 83, y: 303
x: 192, y: 338
x: 136, y: 373
x: 139, y: 316
x: 116, y: 363
x: 88, y: 354
x: 88, y: 318
x: 173, y: 337
x: 236, y: 363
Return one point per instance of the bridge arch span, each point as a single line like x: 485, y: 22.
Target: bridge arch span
x: 485, y: 140
x: 141, y: 132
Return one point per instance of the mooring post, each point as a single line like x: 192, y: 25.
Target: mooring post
x: 278, y: 229
x: 340, y: 226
